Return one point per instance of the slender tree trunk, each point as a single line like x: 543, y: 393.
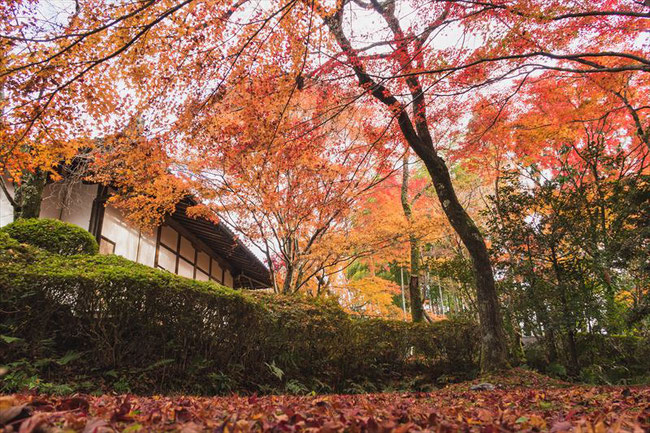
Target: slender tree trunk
x: 417, y: 312
x: 567, y: 315
x: 541, y: 309
x: 571, y: 335
x: 549, y: 335
x: 287, y: 287
x: 28, y: 195
x: 493, y: 341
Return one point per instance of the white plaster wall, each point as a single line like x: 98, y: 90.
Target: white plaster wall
x: 6, y: 210
x: 147, y: 248
x: 216, y: 270
x: 187, y: 250
x: 116, y: 229
x: 202, y: 276
x: 74, y: 207
x: 185, y: 269
x: 70, y: 204
x: 203, y: 261
x: 51, y: 204
x: 79, y: 205
x: 169, y: 237
x: 167, y: 260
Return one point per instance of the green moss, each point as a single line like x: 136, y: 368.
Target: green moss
x: 53, y: 236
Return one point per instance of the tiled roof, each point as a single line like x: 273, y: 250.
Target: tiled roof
x: 249, y: 271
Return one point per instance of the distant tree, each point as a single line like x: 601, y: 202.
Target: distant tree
x: 569, y: 224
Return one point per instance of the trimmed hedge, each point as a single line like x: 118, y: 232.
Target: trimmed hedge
x: 52, y: 235
x: 134, y: 328
x: 13, y: 251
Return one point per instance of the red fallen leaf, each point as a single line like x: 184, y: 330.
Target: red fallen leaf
x: 372, y: 425
x: 387, y: 426
x: 485, y: 415
x: 182, y: 415
x: 282, y: 417
x: 403, y: 428
x: 296, y: 418
x: 191, y: 428
x: 123, y: 412
x: 73, y: 403
x: 331, y: 427
x: 14, y: 413
x: 97, y: 425
x: 31, y: 424
x: 155, y: 416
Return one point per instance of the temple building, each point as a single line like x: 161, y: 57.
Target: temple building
x: 190, y: 247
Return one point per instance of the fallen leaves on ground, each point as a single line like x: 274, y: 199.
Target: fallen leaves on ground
x: 575, y: 409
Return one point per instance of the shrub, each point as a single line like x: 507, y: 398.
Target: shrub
x: 613, y: 358
x: 447, y: 348
x: 13, y: 251
x: 602, y: 359
x: 52, y: 235
x: 145, y: 330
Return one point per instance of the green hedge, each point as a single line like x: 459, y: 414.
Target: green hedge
x: 613, y: 358
x: 52, y: 235
x: 13, y: 251
x: 602, y: 359
x: 104, y: 319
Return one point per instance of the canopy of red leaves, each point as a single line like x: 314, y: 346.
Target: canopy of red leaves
x: 517, y: 404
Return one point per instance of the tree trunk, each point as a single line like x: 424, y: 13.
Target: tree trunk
x: 567, y: 315
x: 417, y: 312
x: 28, y: 195
x: 287, y: 286
x: 493, y: 343
x: 549, y: 335
x: 571, y: 335
x: 494, y: 355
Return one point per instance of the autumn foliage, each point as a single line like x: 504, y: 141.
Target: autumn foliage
x: 521, y: 403
x: 286, y: 118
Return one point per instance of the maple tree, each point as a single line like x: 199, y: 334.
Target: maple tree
x: 285, y: 188
x: 369, y: 296
x: 567, y: 215
x: 400, y: 219
x: 289, y: 191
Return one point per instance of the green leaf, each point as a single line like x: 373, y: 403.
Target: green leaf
x: 69, y: 357
x: 521, y: 420
x: 159, y: 364
x: 8, y: 339
x: 275, y: 370
x: 132, y: 428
